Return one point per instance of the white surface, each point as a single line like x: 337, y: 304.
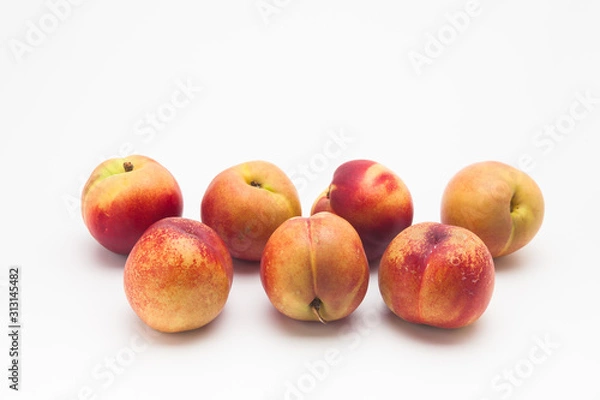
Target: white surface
x: 275, y: 91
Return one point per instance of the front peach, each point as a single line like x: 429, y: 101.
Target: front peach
x: 315, y: 269
x: 178, y: 275
x: 437, y: 275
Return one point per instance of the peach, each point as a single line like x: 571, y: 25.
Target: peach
x: 124, y: 196
x: 438, y: 275
x: 178, y: 275
x: 315, y: 268
x: 372, y: 198
x: 501, y: 204
x: 245, y: 203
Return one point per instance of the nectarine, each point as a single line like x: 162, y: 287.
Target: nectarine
x: 438, y: 275
x: 315, y: 268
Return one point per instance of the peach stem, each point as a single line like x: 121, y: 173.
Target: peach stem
x: 316, y: 307
x: 128, y: 166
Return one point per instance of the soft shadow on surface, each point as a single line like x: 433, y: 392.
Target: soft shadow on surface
x: 243, y: 267
x: 187, y: 337
x: 107, y: 258
x: 374, y: 278
x: 511, y: 262
x: 308, y: 329
x: 430, y: 334
x: 374, y: 265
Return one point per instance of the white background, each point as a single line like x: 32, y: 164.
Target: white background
x: 276, y: 87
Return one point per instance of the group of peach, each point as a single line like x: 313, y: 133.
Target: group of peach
x: 179, y: 271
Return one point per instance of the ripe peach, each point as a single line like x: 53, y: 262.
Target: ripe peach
x: 245, y: 203
x: 315, y: 268
x: 436, y: 274
x: 372, y: 198
x: 124, y: 196
x: 178, y: 275
x: 501, y: 204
